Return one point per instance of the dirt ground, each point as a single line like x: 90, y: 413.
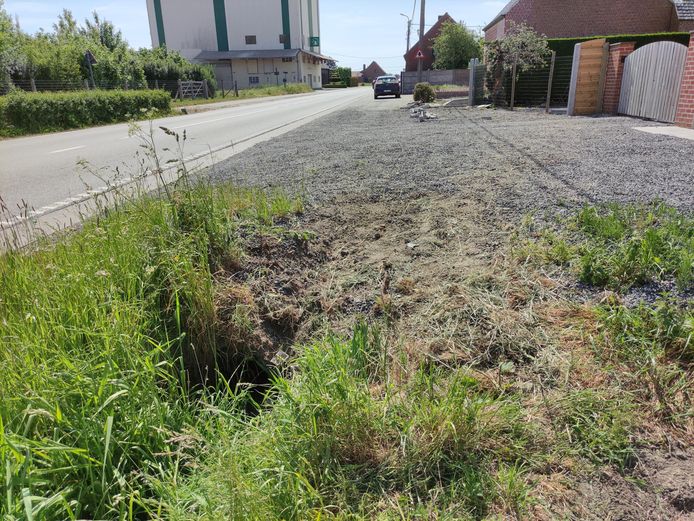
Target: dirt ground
x: 413, y: 222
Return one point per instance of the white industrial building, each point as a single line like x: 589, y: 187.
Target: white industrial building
x: 251, y: 42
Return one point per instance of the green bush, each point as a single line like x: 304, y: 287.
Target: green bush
x: 353, y: 82
x: 565, y: 46
x: 344, y: 74
x: 167, y: 67
x: 40, y: 112
x: 424, y: 92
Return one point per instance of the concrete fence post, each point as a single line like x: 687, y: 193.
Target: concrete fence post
x: 549, y: 83
x: 179, y: 93
x: 205, y: 89
x: 513, y: 83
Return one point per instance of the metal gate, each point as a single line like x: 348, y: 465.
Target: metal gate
x: 651, y: 81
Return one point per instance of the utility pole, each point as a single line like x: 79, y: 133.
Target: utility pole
x: 409, y: 31
x: 422, y: 20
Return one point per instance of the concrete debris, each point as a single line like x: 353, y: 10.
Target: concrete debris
x: 422, y: 114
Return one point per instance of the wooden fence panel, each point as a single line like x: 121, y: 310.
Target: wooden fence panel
x: 588, y: 77
x: 651, y: 81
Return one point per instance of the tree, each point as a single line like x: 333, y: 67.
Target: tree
x: 103, y: 32
x: 455, y: 47
x: 521, y: 46
x: 11, y: 57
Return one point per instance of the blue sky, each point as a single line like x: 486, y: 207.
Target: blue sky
x: 354, y: 32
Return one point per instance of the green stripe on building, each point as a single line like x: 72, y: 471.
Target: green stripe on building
x: 286, y: 25
x: 220, y: 22
x: 310, y: 23
x: 159, y: 17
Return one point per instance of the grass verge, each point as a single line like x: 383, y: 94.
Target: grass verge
x: 106, y: 337
x: 115, y: 403
x: 258, y: 92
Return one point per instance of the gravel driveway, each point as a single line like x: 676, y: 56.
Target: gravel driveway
x: 528, y: 159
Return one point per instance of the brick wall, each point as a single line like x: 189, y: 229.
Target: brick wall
x: 613, y: 78
x: 685, y: 106
x: 496, y: 31
x: 572, y: 18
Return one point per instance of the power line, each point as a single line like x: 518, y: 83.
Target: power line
x: 366, y: 57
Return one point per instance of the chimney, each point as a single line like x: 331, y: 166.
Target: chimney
x: 363, y: 68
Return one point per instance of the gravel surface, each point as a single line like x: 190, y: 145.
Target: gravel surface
x: 523, y: 160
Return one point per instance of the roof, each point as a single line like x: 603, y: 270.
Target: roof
x: 503, y: 13
x: 373, y: 67
x: 211, y: 56
x: 433, y: 31
x: 685, y: 11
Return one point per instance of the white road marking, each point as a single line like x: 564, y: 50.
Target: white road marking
x: 219, y: 119
x: 67, y: 149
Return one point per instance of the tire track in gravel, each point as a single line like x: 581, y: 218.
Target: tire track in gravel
x: 538, y: 165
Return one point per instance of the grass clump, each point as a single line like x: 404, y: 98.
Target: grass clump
x: 105, y: 335
x: 621, y: 246
x: 598, y: 426
x: 341, y: 440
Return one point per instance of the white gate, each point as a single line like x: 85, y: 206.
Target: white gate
x: 652, y: 80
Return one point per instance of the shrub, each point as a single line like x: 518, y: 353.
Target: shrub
x: 344, y: 74
x: 424, y: 92
x: 40, y: 112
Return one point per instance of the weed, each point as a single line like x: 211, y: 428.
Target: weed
x: 620, y: 246
x: 598, y: 426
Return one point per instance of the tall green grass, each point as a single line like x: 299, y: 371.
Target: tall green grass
x: 104, y: 335
x: 339, y: 440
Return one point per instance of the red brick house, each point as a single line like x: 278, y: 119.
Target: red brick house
x: 577, y: 18
x: 429, y: 37
x: 370, y: 73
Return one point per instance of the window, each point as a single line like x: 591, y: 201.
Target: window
x: 287, y: 60
x: 251, y: 39
x: 283, y: 38
x: 254, y: 80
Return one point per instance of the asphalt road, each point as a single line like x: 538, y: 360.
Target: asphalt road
x: 45, y: 172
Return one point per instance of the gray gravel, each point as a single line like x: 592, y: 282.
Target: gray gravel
x: 523, y: 160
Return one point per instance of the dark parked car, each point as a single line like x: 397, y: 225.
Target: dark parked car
x: 386, y: 86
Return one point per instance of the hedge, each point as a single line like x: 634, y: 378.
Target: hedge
x: 22, y: 113
x: 565, y: 46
